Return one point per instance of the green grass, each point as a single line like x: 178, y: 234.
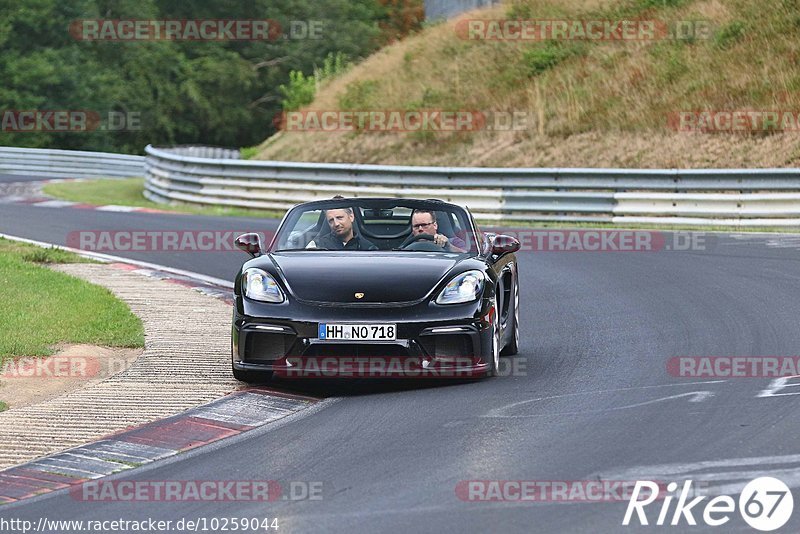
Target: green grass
x: 40, y: 308
x: 128, y: 192
x: 50, y: 255
x: 3, y: 406
x: 34, y: 254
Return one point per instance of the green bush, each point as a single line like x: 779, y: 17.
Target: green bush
x: 49, y: 255
x: 248, y: 152
x: 729, y: 35
x: 547, y: 56
x: 301, y: 88
x: 299, y: 92
x: 333, y: 65
x: 649, y: 4
x: 358, y: 95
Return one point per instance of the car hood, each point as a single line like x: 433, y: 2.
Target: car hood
x: 336, y: 277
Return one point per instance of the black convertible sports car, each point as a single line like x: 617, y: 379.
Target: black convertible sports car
x: 375, y: 287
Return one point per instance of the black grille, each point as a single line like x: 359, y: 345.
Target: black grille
x: 447, y: 346
x: 355, y: 350
x: 261, y: 347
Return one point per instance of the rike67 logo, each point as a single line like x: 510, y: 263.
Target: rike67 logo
x: 765, y: 504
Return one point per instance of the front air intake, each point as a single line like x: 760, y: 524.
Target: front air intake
x: 263, y: 347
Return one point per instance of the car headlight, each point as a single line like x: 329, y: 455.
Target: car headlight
x: 465, y: 287
x: 259, y: 285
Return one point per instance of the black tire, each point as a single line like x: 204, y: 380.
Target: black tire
x: 512, y: 346
x: 494, y: 367
x: 252, y: 377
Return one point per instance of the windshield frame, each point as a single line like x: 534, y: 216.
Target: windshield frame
x: 293, y: 215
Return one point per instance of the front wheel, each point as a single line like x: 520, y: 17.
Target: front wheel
x: 252, y: 377
x: 495, y: 349
x: 512, y: 346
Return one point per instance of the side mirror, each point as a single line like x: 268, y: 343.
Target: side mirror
x: 250, y: 243
x: 486, y: 240
x: 504, y: 244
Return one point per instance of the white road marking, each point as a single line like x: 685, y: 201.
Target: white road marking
x: 716, y: 477
x: 112, y: 207
x: 777, y: 385
x: 54, y: 204
x: 697, y: 396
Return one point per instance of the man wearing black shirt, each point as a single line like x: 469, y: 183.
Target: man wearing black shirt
x: 342, y: 236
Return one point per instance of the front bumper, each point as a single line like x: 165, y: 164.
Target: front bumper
x: 432, y: 341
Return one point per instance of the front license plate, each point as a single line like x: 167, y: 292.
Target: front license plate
x: 358, y: 332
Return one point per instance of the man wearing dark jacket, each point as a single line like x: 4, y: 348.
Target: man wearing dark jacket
x: 342, y: 236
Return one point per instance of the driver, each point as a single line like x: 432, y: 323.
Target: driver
x: 342, y: 236
x: 424, y: 222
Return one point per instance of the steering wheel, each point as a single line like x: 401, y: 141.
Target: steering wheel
x: 422, y: 243
x: 414, y: 238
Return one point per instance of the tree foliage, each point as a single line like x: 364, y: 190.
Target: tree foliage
x: 204, y: 92
x: 402, y: 17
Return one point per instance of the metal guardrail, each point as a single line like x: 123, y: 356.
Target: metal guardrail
x: 216, y: 176
x: 211, y: 152
x: 52, y: 163
x: 743, y: 197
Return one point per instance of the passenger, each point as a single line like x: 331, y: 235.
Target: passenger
x: 343, y: 235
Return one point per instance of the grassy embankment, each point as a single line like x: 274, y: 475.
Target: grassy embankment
x: 593, y: 103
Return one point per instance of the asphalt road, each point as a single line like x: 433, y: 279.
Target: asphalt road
x: 65, y: 227
x: 589, y: 399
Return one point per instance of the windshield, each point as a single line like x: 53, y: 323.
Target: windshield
x: 400, y: 226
